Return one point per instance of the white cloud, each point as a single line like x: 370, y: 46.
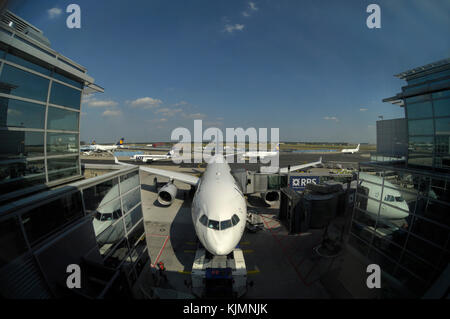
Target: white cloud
x: 331, y: 118
x: 146, y: 102
x: 212, y: 123
x: 54, y: 12
x: 112, y: 113
x: 168, y: 112
x: 181, y: 103
x: 363, y: 109
x: 231, y: 28
x: 101, y: 103
x: 196, y: 116
x: 252, y: 6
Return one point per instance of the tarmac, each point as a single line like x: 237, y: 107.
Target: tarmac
x: 279, y: 265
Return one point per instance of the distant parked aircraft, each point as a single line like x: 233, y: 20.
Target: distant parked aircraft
x: 350, y: 150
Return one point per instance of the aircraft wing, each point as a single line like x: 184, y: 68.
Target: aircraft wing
x: 297, y: 167
x: 182, y: 177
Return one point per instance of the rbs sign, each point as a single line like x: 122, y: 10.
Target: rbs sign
x: 298, y: 183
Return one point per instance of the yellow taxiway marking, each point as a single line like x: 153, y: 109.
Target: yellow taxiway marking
x: 247, y: 251
x: 184, y: 272
x: 244, y: 243
x: 189, y: 251
x: 191, y: 243
x: 253, y: 272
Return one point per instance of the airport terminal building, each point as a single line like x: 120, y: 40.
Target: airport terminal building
x: 411, y: 243
x: 50, y: 215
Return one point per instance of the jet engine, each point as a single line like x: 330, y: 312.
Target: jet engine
x: 167, y: 193
x: 271, y: 197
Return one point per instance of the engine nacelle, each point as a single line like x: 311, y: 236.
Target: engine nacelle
x: 271, y: 197
x: 167, y: 194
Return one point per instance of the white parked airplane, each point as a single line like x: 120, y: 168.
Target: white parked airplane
x: 261, y: 154
x: 393, y: 206
x: 350, y: 150
x: 219, y: 209
x: 153, y: 157
x: 88, y: 149
x: 107, y: 215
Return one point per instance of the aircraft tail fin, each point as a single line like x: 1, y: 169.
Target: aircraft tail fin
x: 357, y: 148
x: 120, y: 142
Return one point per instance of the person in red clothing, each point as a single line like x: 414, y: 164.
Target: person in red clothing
x: 161, y: 270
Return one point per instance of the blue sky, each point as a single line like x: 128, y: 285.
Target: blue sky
x: 311, y: 68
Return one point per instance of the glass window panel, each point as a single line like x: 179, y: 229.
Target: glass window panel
x: 24, y: 84
x: 131, y: 199
x: 129, y: 181
x: 430, y: 231
x: 438, y: 212
x: 12, y: 242
x: 59, y: 168
x: 443, y: 145
x: 100, y: 194
x: 420, y: 127
x: 380, y: 259
x: 15, y: 113
x: 358, y: 244
x: 418, y: 110
x: 443, y: 126
x: 45, y: 219
x: 204, y: 220
x: 137, y: 234
x: 423, y: 249
x: 414, y: 285
x: 213, y: 224
x: 133, y: 217
x: 442, y: 107
x: 58, y: 75
x: 62, y: 143
x: 418, y: 98
x: 420, y: 159
x: 14, y: 58
x: 441, y: 94
x: 65, y: 96
x: 421, y: 144
x: 417, y: 266
x: 116, y: 254
x: 235, y: 219
x: 225, y: 224
x: 59, y: 119
x: 19, y: 175
x: 19, y: 144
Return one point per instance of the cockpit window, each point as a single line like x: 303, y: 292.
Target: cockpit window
x: 106, y: 217
x: 214, y: 224
x: 399, y: 199
x: 224, y: 224
x: 235, y: 219
x: 389, y: 198
x: 204, y: 220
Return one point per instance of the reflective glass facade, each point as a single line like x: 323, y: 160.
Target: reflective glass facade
x: 428, y: 115
x: 109, y: 207
x: 401, y: 218
x: 401, y: 222
x: 39, y: 122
